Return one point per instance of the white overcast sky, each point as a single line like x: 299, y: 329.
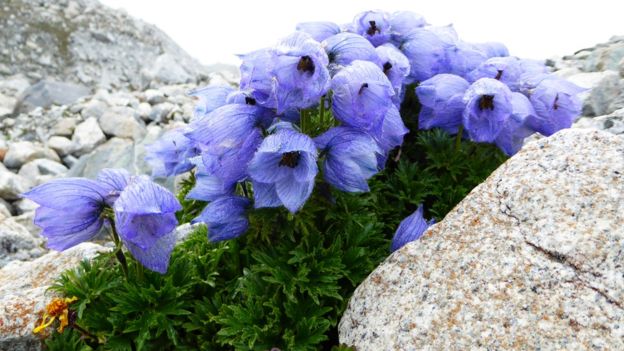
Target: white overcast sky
x: 214, y: 30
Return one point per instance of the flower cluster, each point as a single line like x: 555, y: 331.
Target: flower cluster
x: 139, y: 212
x: 254, y: 146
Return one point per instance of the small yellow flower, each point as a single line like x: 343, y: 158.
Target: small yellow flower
x: 57, y: 308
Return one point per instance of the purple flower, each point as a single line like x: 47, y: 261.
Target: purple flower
x: 514, y: 131
x: 556, y: 104
x: 69, y: 211
x: 210, y: 98
x: 283, y: 170
x: 344, y: 48
x: 350, y: 158
x: 362, y: 94
x: 492, y: 49
x: 488, y: 106
x: 145, y: 219
x: 319, y: 31
x: 390, y: 135
x: 410, y: 229
x: 225, y: 217
x: 113, y: 181
x: 442, y: 102
x: 425, y: 50
x: 395, y: 66
x: 374, y: 26
x: 463, y: 57
x: 404, y: 22
x: 508, y: 70
x: 170, y: 154
x: 292, y: 75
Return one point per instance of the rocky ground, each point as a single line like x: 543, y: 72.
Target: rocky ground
x: 84, y: 87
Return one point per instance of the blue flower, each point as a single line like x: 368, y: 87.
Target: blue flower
x: 426, y: 51
x: 488, y: 106
x: 463, y: 57
x: 210, y: 98
x: 514, y: 131
x: 395, y: 66
x: 113, y: 181
x: 410, y: 229
x: 556, y: 104
x: 403, y: 23
x: 350, y: 158
x: 225, y: 217
x: 170, y: 154
x: 508, y: 70
x: 319, y: 31
x: 390, y: 135
x: 69, y: 211
x: 291, y: 75
x: 362, y: 94
x: 492, y: 49
x: 283, y: 170
x: 145, y: 220
x: 442, y: 102
x: 374, y: 26
x: 344, y: 48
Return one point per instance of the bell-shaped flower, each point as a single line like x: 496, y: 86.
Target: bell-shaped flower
x: 488, y: 106
x: 225, y: 217
x: 403, y: 23
x: 463, y: 57
x: 492, y: 49
x: 319, y: 31
x: 410, y: 229
x: 283, y: 170
x: 390, y: 135
x: 291, y: 75
x: 69, y: 211
x: 145, y: 218
x: 113, y: 181
x: 344, y: 48
x: 350, y: 158
x: 395, y: 66
x: 227, y: 127
x: 442, y: 100
x: 374, y: 26
x: 556, y: 104
x: 426, y: 52
x: 514, y: 131
x: 362, y: 94
x: 210, y: 98
x: 170, y: 154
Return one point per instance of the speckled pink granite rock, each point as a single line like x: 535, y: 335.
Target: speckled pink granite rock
x: 532, y: 259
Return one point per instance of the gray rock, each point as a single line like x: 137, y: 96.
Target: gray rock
x: 7, y: 105
x: 24, y: 293
x: 613, y: 123
x: 605, y: 57
x: 26, y: 220
x: 42, y: 170
x: 6, y: 209
x: 144, y: 111
x: 87, y: 136
x: 93, y: 108
x: 84, y: 42
x: 46, y: 93
x: 122, y: 122
x: 161, y: 112
x: 64, y: 127
x: 24, y: 151
x: 530, y: 259
x: 61, y: 145
x: 16, y: 243
x: 154, y: 97
x: 605, y: 87
x: 11, y: 184
x: 24, y: 206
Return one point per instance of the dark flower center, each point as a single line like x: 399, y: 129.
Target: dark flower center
x: 305, y: 64
x: 387, y: 67
x: 499, y: 74
x: 486, y: 102
x: 290, y: 159
x: 250, y: 101
x: 373, y: 28
x: 556, y: 103
x: 365, y: 85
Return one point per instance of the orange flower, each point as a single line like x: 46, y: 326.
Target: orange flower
x: 57, y: 308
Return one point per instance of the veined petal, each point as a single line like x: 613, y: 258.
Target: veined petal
x: 265, y: 195
x: 410, y: 229
x: 210, y: 98
x: 65, y: 229
x: 319, y: 30
x: 157, y: 256
x: 69, y: 194
x: 293, y: 194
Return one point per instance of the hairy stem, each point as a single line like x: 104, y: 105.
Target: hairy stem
x: 119, y: 252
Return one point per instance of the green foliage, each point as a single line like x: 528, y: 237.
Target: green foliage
x: 286, y: 283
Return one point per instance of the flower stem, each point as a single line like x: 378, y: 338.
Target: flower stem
x: 322, y: 112
x: 119, y: 252
x: 458, y: 137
